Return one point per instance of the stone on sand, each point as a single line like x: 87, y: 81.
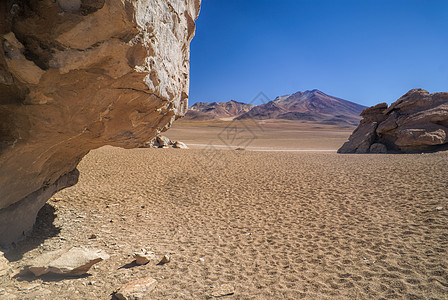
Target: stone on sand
x: 69, y: 261
x: 144, y: 256
x: 138, y: 289
x: 180, y: 145
x: 165, y: 259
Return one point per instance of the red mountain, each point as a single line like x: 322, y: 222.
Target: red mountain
x: 311, y: 105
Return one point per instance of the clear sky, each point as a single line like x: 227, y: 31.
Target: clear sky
x: 366, y: 51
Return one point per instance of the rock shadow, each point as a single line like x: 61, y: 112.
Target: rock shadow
x: 43, y: 229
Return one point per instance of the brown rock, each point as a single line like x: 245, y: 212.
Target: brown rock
x: 378, y: 148
x: 69, y: 261
x: 417, y: 122
x: 361, y: 139
x: 143, y: 256
x: 110, y: 73
x: 165, y: 259
x: 138, y: 289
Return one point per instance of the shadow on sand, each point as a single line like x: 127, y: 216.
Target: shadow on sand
x: 42, y: 230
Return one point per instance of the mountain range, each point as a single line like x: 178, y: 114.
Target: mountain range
x: 222, y: 110
x: 311, y: 106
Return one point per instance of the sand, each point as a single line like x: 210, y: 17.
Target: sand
x: 251, y: 134
x: 274, y: 225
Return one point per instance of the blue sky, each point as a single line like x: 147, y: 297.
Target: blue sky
x: 366, y: 51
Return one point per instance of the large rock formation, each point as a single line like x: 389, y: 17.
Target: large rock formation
x: 417, y: 122
x: 79, y: 74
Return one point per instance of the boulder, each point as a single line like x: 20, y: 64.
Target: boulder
x: 78, y: 75
x: 138, y: 289
x: 70, y: 261
x: 417, y: 122
x: 361, y: 139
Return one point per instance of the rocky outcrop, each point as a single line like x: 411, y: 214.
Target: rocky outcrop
x: 417, y: 122
x: 79, y: 74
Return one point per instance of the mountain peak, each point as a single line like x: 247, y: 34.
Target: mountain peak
x: 310, y: 105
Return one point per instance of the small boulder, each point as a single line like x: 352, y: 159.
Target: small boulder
x: 165, y: 259
x: 144, y: 256
x: 69, y: 261
x: 180, y: 145
x: 138, y: 289
x: 378, y: 148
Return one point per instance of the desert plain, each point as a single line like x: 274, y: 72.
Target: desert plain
x: 287, y: 218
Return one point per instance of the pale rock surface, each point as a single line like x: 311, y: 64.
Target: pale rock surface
x: 144, y: 256
x: 163, y: 141
x: 180, y: 145
x: 69, y: 261
x: 138, y: 289
x: 79, y: 74
x: 417, y: 122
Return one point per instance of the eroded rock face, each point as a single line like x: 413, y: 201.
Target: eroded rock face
x: 79, y: 74
x: 417, y: 122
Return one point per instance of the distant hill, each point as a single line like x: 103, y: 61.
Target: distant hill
x: 314, y: 106
x: 222, y: 110
x: 311, y: 106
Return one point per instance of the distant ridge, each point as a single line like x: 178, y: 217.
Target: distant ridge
x: 214, y: 110
x: 311, y: 106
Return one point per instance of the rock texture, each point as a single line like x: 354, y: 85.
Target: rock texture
x: 138, y: 289
x: 417, y: 122
x: 70, y: 261
x: 79, y: 74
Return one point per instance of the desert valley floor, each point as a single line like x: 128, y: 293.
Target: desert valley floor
x: 273, y: 224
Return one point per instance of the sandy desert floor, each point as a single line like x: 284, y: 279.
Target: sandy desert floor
x: 266, y: 134
x: 274, y: 225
